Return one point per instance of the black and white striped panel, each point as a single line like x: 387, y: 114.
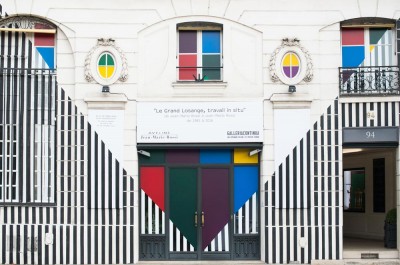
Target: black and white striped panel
x: 177, y: 242
x: 105, y: 172
x: 308, y: 183
x: 369, y: 114
x: 221, y: 242
x: 69, y: 232
x: 246, y: 218
x: 27, y: 113
x: 152, y: 217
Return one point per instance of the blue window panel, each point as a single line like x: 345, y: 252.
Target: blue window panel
x: 245, y: 184
x: 47, y: 54
x: 211, y: 42
x: 353, y: 56
x: 215, y: 156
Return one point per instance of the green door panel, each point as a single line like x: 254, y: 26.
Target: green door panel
x: 183, y: 201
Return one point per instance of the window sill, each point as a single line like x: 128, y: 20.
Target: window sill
x: 183, y: 88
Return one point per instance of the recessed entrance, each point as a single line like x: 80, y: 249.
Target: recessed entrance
x: 369, y: 192
x: 199, y: 204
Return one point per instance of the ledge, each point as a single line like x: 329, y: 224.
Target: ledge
x: 291, y: 101
x: 199, y: 88
x: 106, y: 101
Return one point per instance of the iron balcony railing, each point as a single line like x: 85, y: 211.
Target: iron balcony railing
x: 199, y: 73
x: 369, y: 80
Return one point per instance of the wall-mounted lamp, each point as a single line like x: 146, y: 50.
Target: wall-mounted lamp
x: 105, y: 89
x: 292, y: 89
x: 145, y: 153
x: 255, y: 151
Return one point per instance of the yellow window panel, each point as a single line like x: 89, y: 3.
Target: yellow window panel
x: 241, y: 156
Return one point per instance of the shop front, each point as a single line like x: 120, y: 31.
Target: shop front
x: 199, y: 175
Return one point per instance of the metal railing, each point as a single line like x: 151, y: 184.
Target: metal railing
x: 199, y: 73
x: 369, y: 80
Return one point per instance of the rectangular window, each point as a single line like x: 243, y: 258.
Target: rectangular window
x: 43, y: 177
x: 379, y: 185
x: 200, y: 54
x: 9, y: 163
x: 367, y: 47
x: 354, y: 190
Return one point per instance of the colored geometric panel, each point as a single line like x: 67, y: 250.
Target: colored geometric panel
x: 47, y: 54
x: 211, y: 61
x: 187, y: 41
x: 187, y: 61
x: 353, y: 56
x: 215, y: 202
x: 180, y: 156
x: 106, y: 71
x: 241, y: 156
x: 245, y: 184
x: 346, y: 75
x: 152, y: 183
x: 352, y: 36
x: 183, y: 201
x: 375, y: 35
x: 215, y: 156
x: 291, y: 71
x: 211, y: 41
x: 42, y: 39
x: 156, y: 157
x: 290, y: 59
x: 106, y: 59
x: 106, y: 65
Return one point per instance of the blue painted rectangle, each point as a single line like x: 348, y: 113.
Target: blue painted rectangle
x: 353, y: 56
x: 215, y: 156
x: 245, y: 184
x: 211, y: 42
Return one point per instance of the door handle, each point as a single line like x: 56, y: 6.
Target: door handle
x: 202, y: 219
x: 195, y: 219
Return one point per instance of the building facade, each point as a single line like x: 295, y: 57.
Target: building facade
x: 192, y: 130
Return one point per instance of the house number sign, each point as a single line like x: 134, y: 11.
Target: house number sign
x: 371, y: 135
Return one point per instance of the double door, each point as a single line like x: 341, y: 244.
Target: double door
x: 200, y: 213
x: 199, y: 204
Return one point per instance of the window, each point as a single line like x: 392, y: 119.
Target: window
x: 199, y: 52
x: 27, y: 112
x: 368, y: 57
x: 367, y: 47
x: 354, y: 190
x: 43, y: 177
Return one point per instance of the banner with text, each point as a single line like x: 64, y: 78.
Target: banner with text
x: 199, y: 122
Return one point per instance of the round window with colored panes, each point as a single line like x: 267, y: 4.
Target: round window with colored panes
x: 290, y: 65
x: 106, y: 65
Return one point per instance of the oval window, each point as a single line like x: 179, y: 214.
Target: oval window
x: 290, y: 65
x: 106, y: 65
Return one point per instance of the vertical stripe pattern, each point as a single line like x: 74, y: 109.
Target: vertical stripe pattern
x: 307, y: 189
x: 152, y: 217
x: 177, y: 242
x: 74, y: 230
x: 370, y: 114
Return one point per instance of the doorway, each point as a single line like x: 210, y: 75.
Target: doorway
x: 199, y: 204
x: 369, y: 181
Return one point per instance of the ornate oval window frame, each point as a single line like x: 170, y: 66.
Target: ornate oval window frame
x: 305, y: 63
x: 92, y: 59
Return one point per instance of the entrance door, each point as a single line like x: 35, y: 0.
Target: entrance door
x: 199, y: 204
x: 199, y: 212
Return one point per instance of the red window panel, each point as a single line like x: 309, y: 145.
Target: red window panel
x: 187, y: 61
